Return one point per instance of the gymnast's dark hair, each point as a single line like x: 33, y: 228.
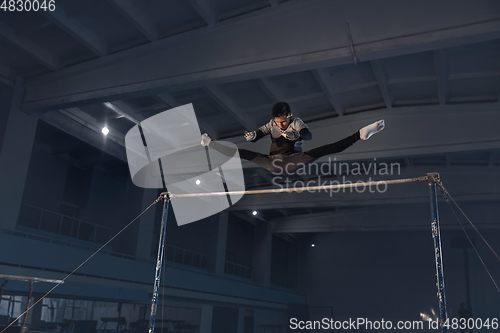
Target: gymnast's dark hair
x: 280, y: 109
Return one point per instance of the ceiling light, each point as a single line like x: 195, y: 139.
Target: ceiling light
x: 312, y: 245
x: 198, y: 182
x: 105, y: 130
x: 254, y: 213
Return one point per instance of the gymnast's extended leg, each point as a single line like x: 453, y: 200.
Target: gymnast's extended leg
x: 292, y: 163
x: 364, y: 134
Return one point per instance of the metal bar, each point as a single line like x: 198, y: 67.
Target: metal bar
x: 436, y: 236
x: 10, y: 309
x: 298, y: 189
x: 159, y: 263
x: 23, y: 325
x: 8, y: 277
x: 353, y: 51
x: 1, y: 291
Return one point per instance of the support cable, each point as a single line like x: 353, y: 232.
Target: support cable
x: 83, y: 263
x: 447, y: 195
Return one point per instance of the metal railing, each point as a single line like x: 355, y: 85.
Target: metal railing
x: 282, y: 281
x: 52, y: 222
x: 27, y: 235
x: 186, y: 257
x: 182, y: 256
x: 235, y: 269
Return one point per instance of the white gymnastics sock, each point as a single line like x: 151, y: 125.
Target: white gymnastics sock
x: 205, y: 140
x: 366, y: 132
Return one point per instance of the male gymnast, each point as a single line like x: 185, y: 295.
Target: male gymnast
x: 287, y: 135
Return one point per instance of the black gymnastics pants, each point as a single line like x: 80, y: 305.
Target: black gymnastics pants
x: 279, y: 164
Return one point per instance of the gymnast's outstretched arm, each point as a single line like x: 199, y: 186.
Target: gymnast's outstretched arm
x: 229, y: 151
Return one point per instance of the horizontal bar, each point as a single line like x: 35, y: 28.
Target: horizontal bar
x: 298, y: 189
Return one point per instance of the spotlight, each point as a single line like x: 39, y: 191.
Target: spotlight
x: 198, y: 182
x: 312, y: 245
x: 105, y: 130
x: 254, y: 213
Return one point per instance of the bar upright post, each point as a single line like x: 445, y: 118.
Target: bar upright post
x: 436, y: 236
x: 159, y: 264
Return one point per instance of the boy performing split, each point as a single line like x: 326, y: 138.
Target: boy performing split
x: 287, y: 134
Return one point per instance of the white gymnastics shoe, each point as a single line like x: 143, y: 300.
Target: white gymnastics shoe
x: 366, y: 132
x: 205, y: 140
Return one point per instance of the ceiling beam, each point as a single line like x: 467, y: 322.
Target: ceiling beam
x: 7, y: 75
x: 132, y: 13
x: 86, y: 132
x: 417, y: 79
x: 268, y: 106
x: 7, y: 72
x: 324, y: 82
x: 218, y: 55
x: 473, y: 75
x: 7, y: 81
x: 230, y: 107
x: 442, y: 73
x: 34, y: 50
x: 241, y: 12
x: 408, y: 162
x: 32, y: 28
x: 128, y: 113
x: 382, y: 80
x: 449, y: 159
x: 266, y: 91
x: 168, y: 100
x: 491, y: 159
x: 274, y: 2
x: 204, y: 10
x: 122, y: 109
x: 355, y: 87
x: 79, y: 32
x: 273, y: 90
x: 409, y: 102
